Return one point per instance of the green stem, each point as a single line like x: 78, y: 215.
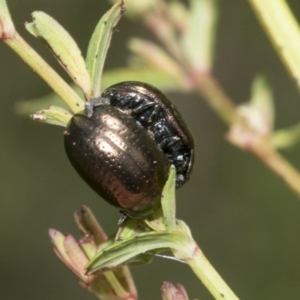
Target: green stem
x: 224, y: 107
x: 37, y: 63
x: 283, y: 30
x: 195, y: 258
x: 114, y: 282
x: 277, y: 163
x: 210, y: 277
x: 159, y: 23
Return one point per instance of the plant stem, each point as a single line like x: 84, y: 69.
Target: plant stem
x: 114, y: 282
x: 195, y: 258
x: 210, y: 278
x: 283, y: 30
x: 277, y: 163
x: 215, y: 96
x: 220, y: 102
x: 37, y: 63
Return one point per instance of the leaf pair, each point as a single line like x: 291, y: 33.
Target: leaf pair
x: 86, y: 74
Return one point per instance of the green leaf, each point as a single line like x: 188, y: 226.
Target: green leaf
x: 156, y: 220
x: 125, y: 250
x: 110, y: 241
x: 138, y: 8
x: 31, y: 28
x: 162, y: 80
x: 27, y: 107
x: 88, y: 224
x: 57, y: 239
x: 183, y: 226
x: 262, y: 99
x: 88, y: 246
x: 168, y: 202
x: 157, y: 58
x: 258, y: 113
x: 63, y: 47
x: 199, y: 37
x: 53, y: 115
x: 99, y: 44
x: 286, y: 138
x: 128, y: 228
x: 178, y: 14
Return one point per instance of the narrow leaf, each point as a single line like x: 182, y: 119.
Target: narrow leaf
x: 53, y: 115
x: 156, y: 220
x: 125, y: 250
x: 128, y: 229
x: 262, y: 99
x: 138, y: 8
x: 88, y: 246
x: 27, y: 107
x: 76, y: 256
x: 31, y: 28
x: 199, y: 37
x: 168, y: 201
x: 156, y: 57
x: 57, y: 239
x: 99, y: 45
x: 178, y: 14
x: 63, y: 47
x: 286, y: 138
x: 88, y: 224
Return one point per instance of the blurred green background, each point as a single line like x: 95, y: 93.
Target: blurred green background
x: 244, y: 218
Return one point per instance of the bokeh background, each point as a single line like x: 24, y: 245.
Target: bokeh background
x: 244, y: 218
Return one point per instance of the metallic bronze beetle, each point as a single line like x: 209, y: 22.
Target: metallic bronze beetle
x: 122, y: 145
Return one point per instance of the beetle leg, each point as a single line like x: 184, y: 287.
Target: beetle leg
x: 148, y: 114
x: 161, y: 131
x: 169, y: 143
x: 92, y: 103
x: 173, y: 149
x: 154, y: 114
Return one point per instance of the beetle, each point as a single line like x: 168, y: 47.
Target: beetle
x: 123, y: 144
x: 157, y: 114
x: 116, y: 157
